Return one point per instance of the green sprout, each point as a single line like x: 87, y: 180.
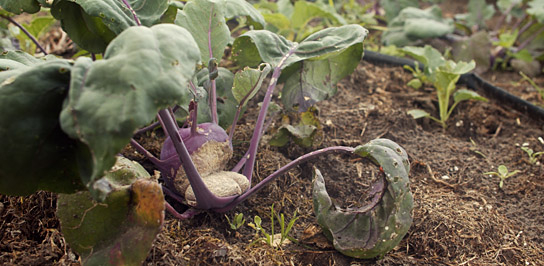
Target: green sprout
x: 502, y: 173
x: 237, y: 222
x: 269, y: 238
x: 533, y: 156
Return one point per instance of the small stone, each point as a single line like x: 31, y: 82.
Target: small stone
x: 445, y: 177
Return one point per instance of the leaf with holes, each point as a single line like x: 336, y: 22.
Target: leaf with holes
x: 376, y: 228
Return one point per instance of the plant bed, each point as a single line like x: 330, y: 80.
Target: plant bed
x: 460, y: 215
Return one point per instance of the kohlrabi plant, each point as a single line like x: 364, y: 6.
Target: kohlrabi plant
x: 443, y: 75
x: 502, y: 173
x: 64, y: 122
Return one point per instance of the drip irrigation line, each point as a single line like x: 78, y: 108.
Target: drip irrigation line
x: 471, y: 80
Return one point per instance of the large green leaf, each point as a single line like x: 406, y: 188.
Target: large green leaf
x: 20, y: 6
x: 327, y: 56
x: 536, y: 9
x: 92, y: 24
x: 315, y: 81
x: 144, y: 70
x: 413, y: 24
x: 205, y: 19
x: 278, y: 51
x: 304, y: 12
x: 36, y: 153
x: 378, y: 227
x: 121, y: 230
x: 427, y: 55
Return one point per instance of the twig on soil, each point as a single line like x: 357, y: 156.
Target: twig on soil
x: 498, y: 130
x: 438, y: 180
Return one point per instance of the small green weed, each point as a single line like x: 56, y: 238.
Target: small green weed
x: 269, y: 238
x: 237, y: 221
x: 502, y: 173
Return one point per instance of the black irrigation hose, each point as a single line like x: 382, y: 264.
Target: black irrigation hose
x: 471, y: 80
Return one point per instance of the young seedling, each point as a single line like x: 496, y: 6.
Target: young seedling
x: 237, y: 221
x: 269, y: 239
x: 444, y: 76
x: 533, y: 156
x: 502, y: 173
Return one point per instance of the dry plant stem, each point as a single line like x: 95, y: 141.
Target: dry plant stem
x: 32, y: 38
x: 282, y: 170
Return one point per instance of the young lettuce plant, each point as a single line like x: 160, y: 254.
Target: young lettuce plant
x: 89, y: 110
x: 444, y: 76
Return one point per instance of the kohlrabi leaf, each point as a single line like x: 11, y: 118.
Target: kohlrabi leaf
x: 120, y: 230
x: 37, y: 28
x: 36, y: 153
x: 477, y: 47
x: 427, y: 55
x: 413, y: 24
x: 464, y: 95
x: 314, y: 81
x: 304, y: 12
x: 205, y: 19
x: 329, y: 54
x: 92, y: 24
x: 143, y: 70
x: 247, y: 83
x: 20, y: 6
x: 393, y: 7
x: 478, y: 13
x: 375, y: 229
x: 278, y: 51
x: 418, y: 113
x: 235, y: 8
x: 536, y: 9
x: 303, y: 135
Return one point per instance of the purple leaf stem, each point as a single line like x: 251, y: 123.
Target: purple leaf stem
x: 189, y: 213
x: 32, y: 38
x: 257, y: 133
x: 204, y: 197
x: 213, y: 87
x: 136, y: 19
x: 93, y: 56
x: 283, y: 170
x: 529, y: 39
x: 504, y: 15
x: 525, y: 27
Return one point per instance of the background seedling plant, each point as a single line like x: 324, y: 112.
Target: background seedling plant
x: 503, y: 174
x: 158, y: 58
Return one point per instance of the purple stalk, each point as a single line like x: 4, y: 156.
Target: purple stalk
x: 283, y: 170
x: 257, y: 133
x: 213, y: 87
x: 93, y: 56
x: 136, y: 19
x: 188, y: 214
x: 525, y: 27
x: 530, y: 39
x: 504, y: 15
x: 204, y: 197
x: 32, y: 38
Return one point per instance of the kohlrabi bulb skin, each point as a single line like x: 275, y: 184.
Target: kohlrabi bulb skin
x: 209, y: 148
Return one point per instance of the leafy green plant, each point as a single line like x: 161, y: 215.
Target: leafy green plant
x: 284, y: 229
x: 502, y: 173
x: 412, y: 25
x: 66, y: 121
x: 237, y: 221
x: 444, y: 76
x: 533, y: 156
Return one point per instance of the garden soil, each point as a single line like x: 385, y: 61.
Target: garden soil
x: 461, y: 216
